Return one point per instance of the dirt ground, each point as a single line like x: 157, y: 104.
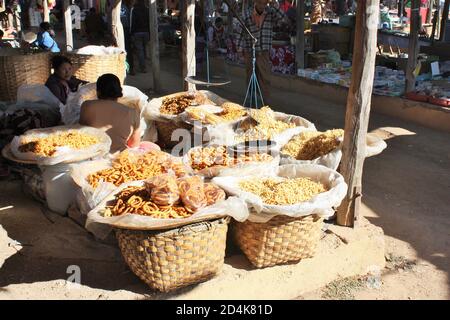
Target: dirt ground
x: 405, y: 191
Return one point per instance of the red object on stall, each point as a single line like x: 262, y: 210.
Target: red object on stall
x: 423, y: 14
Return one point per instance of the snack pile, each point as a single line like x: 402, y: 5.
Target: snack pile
x: 166, y: 197
x: 230, y: 112
x: 310, y: 145
x: 131, y: 167
x: 207, y: 157
x: 177, y: 104
x: 283, y: 191
x: 47, y: 146
x: 263, y: 127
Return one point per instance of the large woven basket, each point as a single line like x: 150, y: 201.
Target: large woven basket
x: 89, y: 67
x: 18, y: 67
x: 281, y: 240
x: 165, y: 130
x: 168, y: 260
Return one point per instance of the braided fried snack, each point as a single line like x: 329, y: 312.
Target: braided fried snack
x: 163, y: 190
x: 213, y: 193
x: 192, y: 193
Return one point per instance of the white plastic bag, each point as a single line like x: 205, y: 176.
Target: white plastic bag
x: 98, y: 50
x: 232, y: 206
x: 374, y: 145
x: 239, y: 170
x: 37, y: 93
x: 89, y: 197
x: 321, y: 204
x: 63, y: 154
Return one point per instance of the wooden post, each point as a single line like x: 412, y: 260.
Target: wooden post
x: 46, y: 11
x: 434, y: 21
x: 116, y: 25
x: 444, y: 20
x: 300, y: 40
x: 68, y: 25
x: 358, y: 108
x: 154, y: 45
x: 413, y: 49
x: 188, y: 42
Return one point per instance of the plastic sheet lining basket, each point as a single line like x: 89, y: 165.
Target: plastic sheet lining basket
x: 89, y: 67
x: 280, y: 240
x: 168, y: 260
x: 18, y: 67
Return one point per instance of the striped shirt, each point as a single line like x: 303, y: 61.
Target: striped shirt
x: 263, y: 34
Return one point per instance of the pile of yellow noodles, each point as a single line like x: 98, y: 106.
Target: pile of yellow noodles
x: 282, y: 191
x: 47, y: 146
x: 313, y: 144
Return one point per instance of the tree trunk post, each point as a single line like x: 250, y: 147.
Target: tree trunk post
x: 188, y: 42
x: 46, y: 11
x: 413, y: 49
x: 154, y: 45
x: 358, y: 109
x: 300, y: 39
x: 116, y: 25
x: 68, y: 25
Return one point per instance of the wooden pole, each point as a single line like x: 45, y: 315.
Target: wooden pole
x: 188, y: 42
x: 444, y: 19
x: 300, y: 40
x: 68, y: 25
x: 358, y: 108
x: 413, y: 49
x: 164, y: 6
x: 116, y: 25
x: 154, y: 45
x: 46, y: 11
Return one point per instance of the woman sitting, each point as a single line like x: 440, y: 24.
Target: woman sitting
x: 45, y: 38
x: 62, y: 81
x: 120, y: 122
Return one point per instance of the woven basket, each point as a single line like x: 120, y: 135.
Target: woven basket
x: 168, y: 260
x: 281, y: 240
x: 165, y: 130
x: 89, y: 67
x: 18, y: 68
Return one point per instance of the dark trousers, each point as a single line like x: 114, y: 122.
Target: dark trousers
x: 129, y: 49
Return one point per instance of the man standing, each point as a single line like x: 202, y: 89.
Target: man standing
x: 260, y: 20
x: 140, y: 27
x: 125, y: 19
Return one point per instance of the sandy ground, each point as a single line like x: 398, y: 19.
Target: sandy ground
x: 406, y: 192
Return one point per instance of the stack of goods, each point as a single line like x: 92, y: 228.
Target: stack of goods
x: 432, y: 92
x: 220, y: 156
x: 310, y: 145
x: 47, y: 146
x: 129, y: 167
x: 230, y: 112
x: 166, y: 197
x: 263, y: 125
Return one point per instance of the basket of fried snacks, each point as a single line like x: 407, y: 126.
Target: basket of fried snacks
x: 266, y: 124
x: 98, y: 178
x: 171, y: 232
x: 324, y: 148
x: 166, y: 111
x: 62, y: 144
x: 219, y: 160
x: 286, y: 211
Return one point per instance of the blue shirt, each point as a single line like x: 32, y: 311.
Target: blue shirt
x: 45, y: 41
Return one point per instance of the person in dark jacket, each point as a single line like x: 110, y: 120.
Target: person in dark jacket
x: 62, y: 81
x: 140, y: 31
x: 125, y: 18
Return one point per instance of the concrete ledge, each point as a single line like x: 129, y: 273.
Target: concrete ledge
x: 425, y: 114
x: 342, y: 252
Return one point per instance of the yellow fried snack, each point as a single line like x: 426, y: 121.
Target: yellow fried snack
x: 312, y: 144
x: 47, y: 146
x: 177, y: 104
x: 283, y: 191
x: 128, y: 167
x: 208, y: 157
x: 263, y: 127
